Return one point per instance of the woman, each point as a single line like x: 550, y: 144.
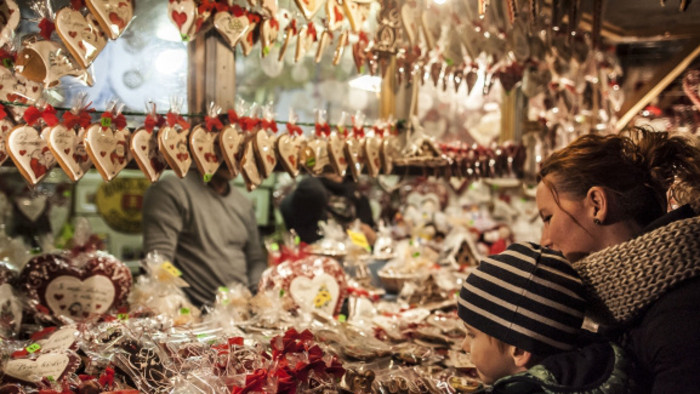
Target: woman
x: 603, y: 201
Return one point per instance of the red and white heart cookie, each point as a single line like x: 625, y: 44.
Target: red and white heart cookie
x: 305, y: 40
x: 144, y: 149
x: 17, y: 89
x: 204, y: 145
x: 47, y: 62
x: 249, y: 168
x: 231, y: 141
x: 269, y: 30
x: 372, y: 148
x: 108, y: 149
x: 28, y: 150
x: 81, y: 35
x: 355, y: 156
x: 357, y: 13
x: 288, y: 147
x: 264, y: 144
x: 232, y: 28
x: 183, y: 13
x: 5, y: 127
x: 9, y: 20
x: 340, y: 47
x: 334, y: 15
x: 314, y: 156
x: 323, y: 43
x: 33, y: 369
x: 388, y: 153
x: 68, y: 147
x: 249, y: 40
x: 336, y: 154
x: 288, y: 34
x: 309, y: 8
x: 172, y: 143
x: 112, y: 15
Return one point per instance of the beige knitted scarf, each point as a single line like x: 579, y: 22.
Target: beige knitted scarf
x: 624, y: 279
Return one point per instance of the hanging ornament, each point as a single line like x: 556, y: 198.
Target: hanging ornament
x: 113, y: 15
x: 15, y: 88
x: 359, y: 51
x: 289, y: 32
x: 81, y: 34
x: 410, y: 19
x: 9, y: 17
x: 144, y: 145
x: 323, y: 43
x: 67, y: 140
x: 288, y: 145
x: 334, y: 15
x: 172, y: 140
x: 183, y: 14
x: 307, y: 36
x: 253, y: 35
x: 232, y: 25
x: 309, y: 8
x: 47, y: 62
x: 107, y: 144
x: 269, y: 30
x: 386, y: 38
x: 27, y: 146
x: 340, y: 47
x: 357, y: 13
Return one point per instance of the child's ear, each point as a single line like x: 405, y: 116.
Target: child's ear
x: 521, y: 358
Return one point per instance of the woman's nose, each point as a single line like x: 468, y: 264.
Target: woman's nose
x: 544, y: 239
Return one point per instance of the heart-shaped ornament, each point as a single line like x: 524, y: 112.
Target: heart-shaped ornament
x: 249, y: 168
x: 68, y: 147
x: 144, y: 149
x: 81, y: 34
x: 269, y: 30
x: 309, y: 8
x: 47, y: 62
x: 232, y: 28
x: 108, y: 149
x: 336, y: 154
x: 264, y: 144
x: 5, y: 127
x: 29, y: 152
x: 9, y: 20
x: 317, y: 294
x: 410, y: 19
x: 372, y: 150
x: 183, y: 13
x: 340, y: 47
x: 288, y: 34
x: 204, y: 145
x: 67, y: 289
x: 231, y: 140
x: 355, y: 157
x: 112, y: 15
x: 17, y: 89
x: 172, y: 143
x: 60, y: 340
x: 323, y: 43
x: 31, y: 207
x: 359, y: 52
x: 357, y: 13
x: 314, y: 156
x: 249, y: 40
x: 53, y: 366
x: 389, y: 152
x: 334, y: 15
x: 305, y: 40
x: 288, y: 147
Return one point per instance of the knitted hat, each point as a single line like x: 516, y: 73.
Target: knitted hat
x: 528, y: 296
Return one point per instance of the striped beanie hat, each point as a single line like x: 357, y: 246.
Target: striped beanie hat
x: 527, y: 296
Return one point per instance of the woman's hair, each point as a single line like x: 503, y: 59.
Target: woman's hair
x: 638, y: 166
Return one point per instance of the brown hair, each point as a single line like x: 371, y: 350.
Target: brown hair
x: 503, y: 348
x: 639, y: 166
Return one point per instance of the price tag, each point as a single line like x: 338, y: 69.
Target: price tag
x: 169, y: 267
x: 33, y: 347
x: 358, y: 239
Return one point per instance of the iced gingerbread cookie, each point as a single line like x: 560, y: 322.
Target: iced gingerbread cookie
x: 309, y: 8
x: 9, y: 20
x: 249, y: 169
x: 231, y: 140
x: 357, y: 13
x: 183, y: 14
x: 287, y: 147
x: 205, y: 149
x: 334, y: 15
x: 305, y: 40
x: 28, y: 150
x: 81, y: 34
x: 172, y: 143
x: 47, y: 62
x: 144, y: 149
x: 269, y: 30
x: 264, y: 144
x: 17, y: 89
x: 112, y: 15
x: 68, y: 147
x: 5, y: 127
x: 389, y: 152
x: 336, y: 154
x: 355, y: 156
x: 372, y: 148
x: 108, y: 149
x: 233, y: 27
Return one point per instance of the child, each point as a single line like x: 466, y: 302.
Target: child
x: 523, y: 310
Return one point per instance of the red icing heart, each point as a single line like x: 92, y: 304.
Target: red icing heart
x: 58, y: 296
x: 22, y: 152
x: 38, y: 168
x: 103, y: 153
x: 62, y: 307
x: 292, y: 160
x: 179, y: 18
x: 72, y: 34
x: 115, y: 19
x: 67, y: 150
x: 143, y: 147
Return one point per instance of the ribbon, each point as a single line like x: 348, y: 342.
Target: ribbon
x: 292, y: 128
x: 175, y: 119
x: 107, y: 378
x: 293, y: 26
x: 152, y: 121
x: 311, y: 30
x: 237, y: 10
x: 46, y: 27
x: 213, y: 122
x: 249, y: 124
x: 8, y: 58
x: 3, y: 114
x: 378, y: 131
x: 206, y: 6
x: 269, y: 125
x: 43, y: 333
x: 274, y: 23
x: 253, y: 17
x: 32, y: 114
x: 232, y: 117
x: 323, y: 129
x: 77, y: 4
x: 82, y: 119
x: 358, y: 131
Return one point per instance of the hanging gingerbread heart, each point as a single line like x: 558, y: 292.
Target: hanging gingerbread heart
x: 323, y: 42
x: 289, y: 32
x: 15, y: 88
x: 232, y: 26
x: 204, y: 145
x: 355, y: 157
x: 68, y: 147
x: 107, y: 144
x: 47, y: 62
x: 264, y: 147
x: 309, y: 8
x: 5, y: 127
x: 336, y: 154
x: 29, y: 152
x: 112, y: 15
x: 249, y: 168
x: 269, y: 30
x: 340, y: 47
x: 172, y: 142
x: 9, y: 20
x: 410, y: 19
x: 144, y: 149
x: 183, y: 13
x: 389, y: 152
x: 334, y: 15
x: 359, y: 51
x: 307, y: 36
x: 357, y: 13
x: 288, y: 147
x: 81, y: 35
x: 249, y: 41
x: 231, y: 141
x: 314, y: 156
x: 372, y: 148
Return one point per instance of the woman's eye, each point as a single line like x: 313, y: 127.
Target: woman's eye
x: 546, y: 219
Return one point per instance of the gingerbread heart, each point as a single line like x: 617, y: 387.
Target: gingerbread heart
x: 323, y: 43
x: 183, y: 13
x: 288, y: 147
x: 68, y: 147
x: 304, y: 42
x: 17, y: 89
x: 172, y: 143
x: 5, y: 127
x: 231, y: 140
x: 81, y: 35
x: 55, y: 366
x: 309, y: 8
x: 288, y: 33
x: 357, y: 13
x: 204, y: 145
x: 265, y: 152
x: 112, y: 15
x: 336, y: 154
x: 334, y: 15
x: 372, y: 148
x: 410, y: 19
x: 249, y: 40
x: 359, y: 52
x: 144, y: 149
x: 249, y: 169
x: 389, y: 152
x: 314, y: 156
x: 340, y: 47
x: 354, y: 154
x: 29, y: 152
x: 320, y: 293
x: 231, y: 28
x: 269, y: 30
x: 431, y: 25
x: 9, y: 18
x: 47, y: 62
x: 62, y: 288
x: 108, y: 149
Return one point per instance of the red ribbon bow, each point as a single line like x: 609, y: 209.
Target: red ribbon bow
x: 269, y: 125
x: 292, y: 128
x: 379, y: 131
x: 274, y: 23
x: 248, y: 123
x: 107, y: 378
x: 323, y: 129
x: 237, y: 10
x: 293, y: 26
x: 311, y: 30
x: 213, y: 122
x: 358, y: 131
x: 77, y: 4
x: 32, y: 114
x: 82, y: 119
x: 3, y: 114
x: 46, y: 27
x: 232, y: 117
x: 175, y: 119
x: 152, y: 121
x: 253, y: 17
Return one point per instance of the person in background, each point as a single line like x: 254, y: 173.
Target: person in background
x: 208, y: 230
x: 330, y: 196
x: 603, y: 200
x: 523, y: 311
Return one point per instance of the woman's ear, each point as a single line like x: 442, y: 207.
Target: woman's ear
x: 521, y: 358
x: 597, y: 204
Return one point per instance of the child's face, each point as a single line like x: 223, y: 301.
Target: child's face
x: 492, y: 362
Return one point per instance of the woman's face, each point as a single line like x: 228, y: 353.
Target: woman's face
x: 567, y: 225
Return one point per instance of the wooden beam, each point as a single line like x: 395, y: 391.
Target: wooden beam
x: 663, y: 77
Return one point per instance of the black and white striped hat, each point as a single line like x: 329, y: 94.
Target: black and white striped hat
x: 527, y: 296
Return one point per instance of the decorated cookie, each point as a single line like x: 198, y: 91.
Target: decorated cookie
x: 60, y: 289
x: 144, y: 149
x: 249, y: 169
x: 231, y: 141
x: 205, y: 149
x: 264, y: 145
x: 108, y: 149
x: 113, y: 15
x: 340, y: 47
x: 372, y: 148
x: 28, y: 150
x: 389, y: 152
x: 289, y: 32
x: 325, y: 39
x: 232, y: 26
x: 355, y: 157
x: 47, y: 62
x: 81, y: 34
x: 305, y: 39
x: 334, y: 15
x: 309, y: 8
x: 183, y: 13
x: 249, y: 40
x: 269, y: 30
x: 336, y: 154
x: 17, y: 89
x: 5, y: 127
x: 359, y: 51
x: 357, y: 13
x: 68, y: 147
x: 9, y: 20
x: 11, y: 304
x: 314, y: 156
x: 35, y: 368
x: 57, y: 340
x: 172, y: 143
x: 288, y: 147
